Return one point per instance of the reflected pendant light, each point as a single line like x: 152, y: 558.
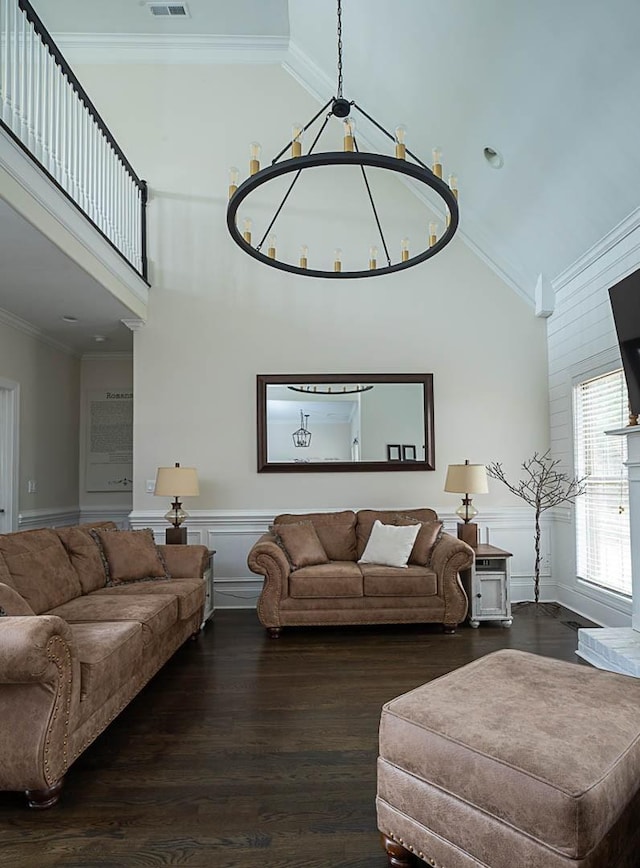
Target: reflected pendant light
x: 402, y: 161
x: 302, y: 437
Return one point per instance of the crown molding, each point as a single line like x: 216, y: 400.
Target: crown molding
x: 140, y: 48
x: 307, y: 73
x: 107, y: 357
x: 598, y: 251
x: 133, y: 325
x: 22, y: 325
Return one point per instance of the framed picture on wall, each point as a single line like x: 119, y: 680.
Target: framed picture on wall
x: 408, y: 452
x: 394, y: 452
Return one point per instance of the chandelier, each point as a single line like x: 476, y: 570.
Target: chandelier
x: 296, y: 162
x: 302, y: 437
x: 345, y: 390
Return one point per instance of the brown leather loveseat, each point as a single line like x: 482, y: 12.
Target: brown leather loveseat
x: 86, y: 620
x: 307, y: 584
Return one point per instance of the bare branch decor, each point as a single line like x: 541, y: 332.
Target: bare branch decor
x: 542, y: 487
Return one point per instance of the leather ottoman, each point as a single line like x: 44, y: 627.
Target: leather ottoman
x: 513, y: 761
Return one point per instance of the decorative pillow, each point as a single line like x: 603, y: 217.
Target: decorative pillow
x: 85, y: 554
x: 302, y: 544
x: 428, y: 535
x: 389, y: 544
x: 336, y: 531
x: 129, y: 556
x: 367, y: 517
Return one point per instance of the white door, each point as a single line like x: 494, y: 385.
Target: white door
x: 9, y: 454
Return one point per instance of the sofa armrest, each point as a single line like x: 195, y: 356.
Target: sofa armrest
x: 38, y: 677
x: 449, y: 556
x: 25, y: 641
x: 267, y: 559
x: 12, y: 603
x: 185, y: 562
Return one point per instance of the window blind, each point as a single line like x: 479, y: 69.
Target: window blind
x: 602, y: 513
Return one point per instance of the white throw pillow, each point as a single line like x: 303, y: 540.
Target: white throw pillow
x: 389, y: 544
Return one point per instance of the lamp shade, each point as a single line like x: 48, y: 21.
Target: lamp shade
x: 466, y: 479
x: 177, y: 482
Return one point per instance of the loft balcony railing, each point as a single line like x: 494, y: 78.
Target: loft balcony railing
x: 45, y: 109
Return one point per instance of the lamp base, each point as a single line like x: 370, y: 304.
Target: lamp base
x: 468, y: 532
x: 175, y: 536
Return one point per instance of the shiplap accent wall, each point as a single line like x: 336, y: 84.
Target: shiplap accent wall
x: 582, y: 343
x: 232, y: 533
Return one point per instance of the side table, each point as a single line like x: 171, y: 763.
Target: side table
x: 208, y: 600
x: 486, y: 584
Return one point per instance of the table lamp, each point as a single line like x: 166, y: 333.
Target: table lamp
x: 467, y: 479
x: 176, y: 482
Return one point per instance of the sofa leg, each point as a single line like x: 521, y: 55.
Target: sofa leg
x: 450, y: 629
x: 274, y: 632
x: 47, y: 798
x: 398, y: 856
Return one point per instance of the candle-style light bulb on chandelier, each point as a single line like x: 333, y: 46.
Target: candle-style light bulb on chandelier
x: 377, y: 258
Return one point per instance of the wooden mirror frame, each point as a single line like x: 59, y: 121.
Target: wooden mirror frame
x: 264, y: 380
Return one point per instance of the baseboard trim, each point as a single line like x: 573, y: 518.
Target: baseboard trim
x: 606, y: 614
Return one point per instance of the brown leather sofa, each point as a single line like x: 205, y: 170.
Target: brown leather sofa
x: 343, y: 591
x: 75, y: 647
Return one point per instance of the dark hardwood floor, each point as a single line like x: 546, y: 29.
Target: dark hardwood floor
x: 248, y: 752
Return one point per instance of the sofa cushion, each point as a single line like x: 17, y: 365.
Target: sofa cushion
x: 414, y: 581
x: 189, y: 592
x: 335, y: 579
x: 302, y: 544
x: 336, y: 531
x: 37, y: 566
x: 109, y: 652
x: 367, y: 517
x: 157, y: 612
x: 390, y: 544
x: 84, y: 553
x: 129, y: 555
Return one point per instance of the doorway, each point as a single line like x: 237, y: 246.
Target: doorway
x: 9, y: 454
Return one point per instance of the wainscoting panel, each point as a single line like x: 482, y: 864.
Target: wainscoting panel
x: 104, y: 513
x: 30, y: 519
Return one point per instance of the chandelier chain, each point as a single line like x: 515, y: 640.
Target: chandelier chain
x: 339, y: 49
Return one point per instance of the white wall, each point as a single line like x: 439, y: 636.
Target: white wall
x: 583, y: 343
x: 49, y: 412
x: 100, y: 372
x: 217, y: 318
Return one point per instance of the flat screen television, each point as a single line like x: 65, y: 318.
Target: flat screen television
x: 625, y: 305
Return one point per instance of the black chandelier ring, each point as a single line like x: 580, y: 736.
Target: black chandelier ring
x: 417, y: 172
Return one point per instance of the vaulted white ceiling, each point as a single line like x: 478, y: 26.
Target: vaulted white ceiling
x: 552, y: 85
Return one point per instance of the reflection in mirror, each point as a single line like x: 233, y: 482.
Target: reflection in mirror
x: 345, y: 422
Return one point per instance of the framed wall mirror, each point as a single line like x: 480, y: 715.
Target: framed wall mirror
x: 315, y: 423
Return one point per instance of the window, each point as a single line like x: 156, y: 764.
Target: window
x: 602, y: 513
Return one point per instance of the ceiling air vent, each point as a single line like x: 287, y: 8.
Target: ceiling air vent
x: 169, y: 10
